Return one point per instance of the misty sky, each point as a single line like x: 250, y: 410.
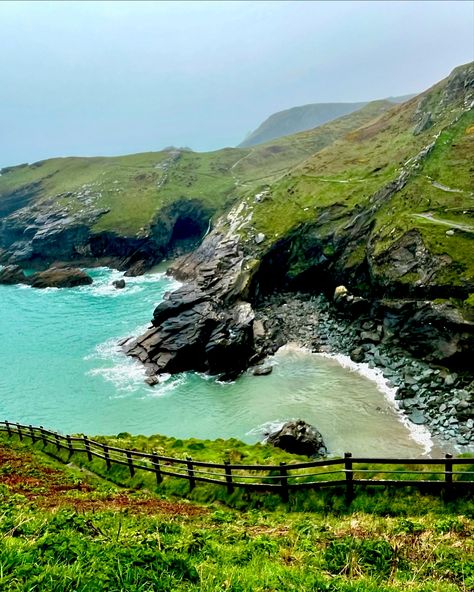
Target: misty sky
x: 103, y: 78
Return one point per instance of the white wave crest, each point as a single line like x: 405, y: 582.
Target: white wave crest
x: 263, y: 430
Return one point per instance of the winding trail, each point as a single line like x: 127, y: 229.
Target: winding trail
x: 432, y: 219
x: 236, y: 179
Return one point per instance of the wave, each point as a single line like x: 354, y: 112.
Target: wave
x: 104, y: 277
x: 263, y: 430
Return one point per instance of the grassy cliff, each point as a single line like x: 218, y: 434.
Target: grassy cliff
x: 407, y: 174
x: 143, y: 196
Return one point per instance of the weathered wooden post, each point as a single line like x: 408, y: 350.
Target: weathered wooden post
x: 448, y: 474
x: 156, y: 463
x: 58, y: 443
x: 69, y: 446
x: 284, y: 482
x: 130, y: 463
x: 228, y: 476
x: 32, y: 433
x: 349, y: 476
x: 448, y: 468
x: 87, y: 446
x: 43, y: 436
x: 18, y: 429
x: 9, y: 431
x: 105, y: 448
x: 192, y: 480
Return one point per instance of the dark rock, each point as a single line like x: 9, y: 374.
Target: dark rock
x: 299, y: 437
x: 152, y: 380
x: 372, y: 336
x: 417, y: 418
x: 119, y: 284
x: 357, y: 355
x: 60, y: 277
x: 138, y: 267
x: 12, y: 274
x: 424, y: 123
x: 262, y: 370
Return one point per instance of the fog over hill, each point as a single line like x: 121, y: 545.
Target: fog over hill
x: 302, y: 118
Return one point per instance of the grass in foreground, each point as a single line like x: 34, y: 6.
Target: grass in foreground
x: 66, y: 529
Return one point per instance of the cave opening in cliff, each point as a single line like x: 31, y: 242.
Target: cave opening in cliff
x: 187, y: 232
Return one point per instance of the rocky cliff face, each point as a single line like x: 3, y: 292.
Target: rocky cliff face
x: 355, y: 214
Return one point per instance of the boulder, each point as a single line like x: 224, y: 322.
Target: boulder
x: 119, y: 284
x: 357, y: 355
x: 60, y: 277
x: 12, y: 274
x: 299, y: 437
x: 340, y: 292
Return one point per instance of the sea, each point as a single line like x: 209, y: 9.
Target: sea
x: 61, y: 367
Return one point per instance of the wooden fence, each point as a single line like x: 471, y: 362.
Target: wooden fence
x: 440, y: 474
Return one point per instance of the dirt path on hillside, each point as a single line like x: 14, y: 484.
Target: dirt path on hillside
x: 431, y: 218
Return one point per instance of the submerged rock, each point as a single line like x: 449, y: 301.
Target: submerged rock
x: 119, y: 284
x: 262, y: 370
x: 299, y: 437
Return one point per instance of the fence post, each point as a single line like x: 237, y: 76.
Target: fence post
x: 58, y: 444
x: 284, y: 482
x: 156, y: 463
x: 228, y: 476
x: 9, y: 431
x: 105, y: 448
x: 32, y: 433
x: 69, y: 445
x: 192, y: 480
x: 20, y: 434
x: 349, y: 475
x: 87, y: 446
x: 448, y: 473
x: 130, y: 463
x: 43, y: 436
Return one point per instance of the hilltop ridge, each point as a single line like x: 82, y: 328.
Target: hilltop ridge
x: 303, y: 118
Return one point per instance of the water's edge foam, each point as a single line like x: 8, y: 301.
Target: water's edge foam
x: 419, y: 433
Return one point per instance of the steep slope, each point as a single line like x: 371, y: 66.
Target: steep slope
x: 297, y: 119
x: 302, y: 118
x: 63, y: 528
x: 386, y: 210
x: 132, y: 211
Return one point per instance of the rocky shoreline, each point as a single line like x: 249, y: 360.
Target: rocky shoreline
x: 428, y: 394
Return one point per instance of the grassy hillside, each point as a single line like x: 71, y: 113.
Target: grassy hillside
x: 132, y: 189
x: 345, y: 178
x: 269, y: 161
x: 303, y: 118
x: 63, y: 529
x: 297, y: 119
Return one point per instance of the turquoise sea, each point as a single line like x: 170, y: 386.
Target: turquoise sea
x: 60, y: 367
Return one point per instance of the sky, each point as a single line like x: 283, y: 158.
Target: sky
x: 107, y: 78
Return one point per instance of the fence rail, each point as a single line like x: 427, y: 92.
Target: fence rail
x: 443, y: 474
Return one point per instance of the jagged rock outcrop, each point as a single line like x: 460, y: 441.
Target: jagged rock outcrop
x: 299, y: 437
x: 206, y: 325
x: 12, y: 274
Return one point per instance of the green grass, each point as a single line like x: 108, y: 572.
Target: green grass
x: 63, y: 529
x: 135, y: 188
